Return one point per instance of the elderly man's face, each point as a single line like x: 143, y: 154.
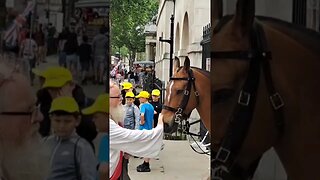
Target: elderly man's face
x: 19, y: 137
x: 18, y: 97
x: 115, y: 97
x: 116, y: 109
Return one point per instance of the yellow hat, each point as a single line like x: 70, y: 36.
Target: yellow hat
x: 101, y: 104
x: 37, y: 72
x: 66, y: 103
x: 129, y: 95
x: 155, y: 92
x: 126, y: 85
x: 143, y: 94
x: 56, y: 77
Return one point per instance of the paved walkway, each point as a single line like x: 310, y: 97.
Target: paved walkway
x: 177, y: 161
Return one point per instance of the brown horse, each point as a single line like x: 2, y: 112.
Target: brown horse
x: 188, y: 89
x: 265, y: 94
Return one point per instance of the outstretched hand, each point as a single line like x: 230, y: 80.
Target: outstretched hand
x: 160, y: 119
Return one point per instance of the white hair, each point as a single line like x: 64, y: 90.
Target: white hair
x: 34, y: 156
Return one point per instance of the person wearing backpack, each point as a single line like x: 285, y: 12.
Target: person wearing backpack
x: 132, y: 112
x: 71, y: 156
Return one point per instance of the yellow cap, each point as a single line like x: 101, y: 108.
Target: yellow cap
x: 155, y: 92
x: 65, y: 103
x: 143, y: 94
x: 126, y: 85
x: 56, y: 77
x: 101, y: 104
x: 37, y: 72
x: 129, y: 95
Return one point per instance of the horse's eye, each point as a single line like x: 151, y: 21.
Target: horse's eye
x: 179, y: 92
x: 222, y: 95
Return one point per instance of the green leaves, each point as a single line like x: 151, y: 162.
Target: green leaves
x: 126, y: 18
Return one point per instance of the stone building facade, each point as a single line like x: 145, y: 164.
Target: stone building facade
x: 190, y: 17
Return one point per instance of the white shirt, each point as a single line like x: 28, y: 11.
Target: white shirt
x: 142, y: 143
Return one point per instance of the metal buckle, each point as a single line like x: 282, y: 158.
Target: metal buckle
x: 179, y: 111
x: 244, y: 98
x: 196, y: 93
x: 217, y: 172
x: 177, y: 118
x: 223, y: 155
x: 184, y: 126
x: 186, y: 92
x: 276, y: 101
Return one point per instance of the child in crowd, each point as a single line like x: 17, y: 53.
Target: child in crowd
x: 156, y: 105
x: 132, y: 112
x: 100, y: 112
x: 72, y: 156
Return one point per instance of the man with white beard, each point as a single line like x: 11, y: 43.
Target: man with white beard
x: 22, y: 155
x: 142, y: 143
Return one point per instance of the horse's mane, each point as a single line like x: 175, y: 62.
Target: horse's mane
x: 202, y: 71
x: 308, y: 37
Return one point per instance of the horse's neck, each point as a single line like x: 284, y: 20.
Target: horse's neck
x: 204, y: 100
x: 294, y: 70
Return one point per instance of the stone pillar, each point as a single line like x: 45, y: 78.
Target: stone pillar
x: 148, y: 52
x: 152, y: 51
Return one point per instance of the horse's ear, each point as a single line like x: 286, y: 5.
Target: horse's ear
x: 244, y: 16
x: 176, y: 64
x: 217, y: 10
x: 186, y: 65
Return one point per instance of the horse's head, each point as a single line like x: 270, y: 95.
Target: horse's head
x: 175, y: 107
x: 231, y: 47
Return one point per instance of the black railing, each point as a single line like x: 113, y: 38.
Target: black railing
x: 299, y: 12
x: 205, y: 43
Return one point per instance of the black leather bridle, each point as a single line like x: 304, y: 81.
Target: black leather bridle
x: 180, y: 117
x: 224, y: 165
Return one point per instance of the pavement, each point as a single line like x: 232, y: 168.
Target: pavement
x: 90, y: 90
x: 177, y: 161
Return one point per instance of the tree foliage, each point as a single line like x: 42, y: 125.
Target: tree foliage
x: 128, y: 18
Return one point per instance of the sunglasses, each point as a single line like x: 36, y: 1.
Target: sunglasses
x: 33, y: 113
x: 116, y: 97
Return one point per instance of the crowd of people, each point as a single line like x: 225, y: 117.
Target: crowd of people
x: 140, y: 77
x: 86, y: 60
x: 58, y: 133
x: 134, y: 129
x: 80, y: 56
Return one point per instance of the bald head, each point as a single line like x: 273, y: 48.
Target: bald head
x: 16, y: 96
x: 114, y: 92
x: 19, y: 137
